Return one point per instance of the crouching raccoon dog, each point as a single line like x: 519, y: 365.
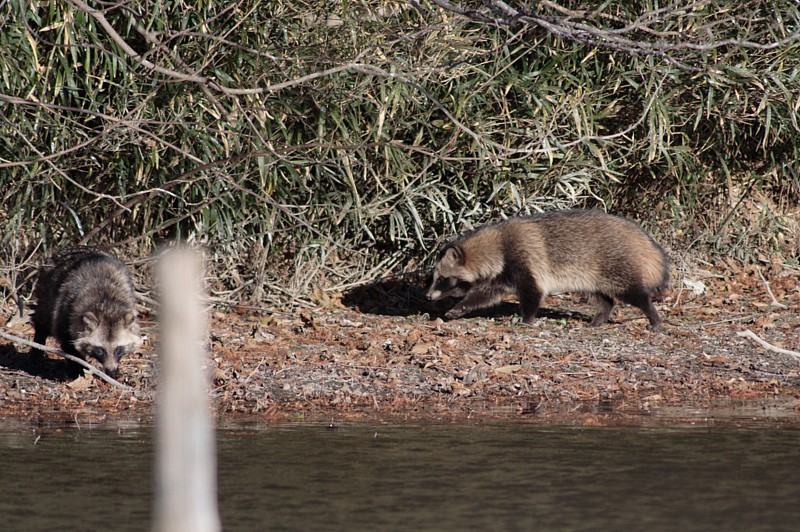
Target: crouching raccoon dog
x: 85, y: 299
x: 610, y: 258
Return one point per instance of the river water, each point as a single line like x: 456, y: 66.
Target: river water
x: 496, y: 476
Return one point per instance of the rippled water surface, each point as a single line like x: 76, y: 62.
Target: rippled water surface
x: 500, y: 476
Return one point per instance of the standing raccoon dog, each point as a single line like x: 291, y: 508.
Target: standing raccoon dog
x: 85, y: 300
x: 608, y: 257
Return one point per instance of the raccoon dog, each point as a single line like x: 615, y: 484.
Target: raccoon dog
x: 588, y: 251
x: 85, y: 300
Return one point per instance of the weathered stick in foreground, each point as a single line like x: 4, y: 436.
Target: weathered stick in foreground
x: 775, y: 302
x: 61, y: 353
x: 186, y: 484
x: 750, y: 334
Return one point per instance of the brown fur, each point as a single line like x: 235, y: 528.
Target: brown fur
x: 85, y: 300
x: 590, y: 252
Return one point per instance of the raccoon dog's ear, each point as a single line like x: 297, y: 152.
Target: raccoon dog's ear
x: 91, y: 321
x: 453, y: 255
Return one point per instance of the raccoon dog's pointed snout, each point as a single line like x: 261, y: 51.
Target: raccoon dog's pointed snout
x: 435, y: 291
x: 111, y: 369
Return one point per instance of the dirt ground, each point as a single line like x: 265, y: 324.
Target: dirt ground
x: 381, y: 352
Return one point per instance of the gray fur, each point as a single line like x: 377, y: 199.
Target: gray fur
x: 586, y: 251
x: 85, y: 299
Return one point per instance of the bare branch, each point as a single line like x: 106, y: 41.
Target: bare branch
x: 766, y: 345
x: 89, y: 367
x: 133, y: 124
x: 775, y: 302
x: 201, y: 80
x: 290, y: 83
x: 100, y: 17
x: 579, y: 26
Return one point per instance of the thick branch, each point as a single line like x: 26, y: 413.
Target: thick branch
x: 766, y: 345
x: 92, y: 369
x: 100, y: 17
x: 568, y: 24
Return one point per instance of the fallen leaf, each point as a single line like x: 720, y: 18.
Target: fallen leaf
x: 80, y: 384
x: 420, y: 348
x: 696, y: 286
x: 765, y: 322
x: 508, y: 369
x: 413, y: 336
x: 714, y: 360
x: 460, y: 389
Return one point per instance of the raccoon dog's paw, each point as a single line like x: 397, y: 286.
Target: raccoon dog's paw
x: 455, y: 312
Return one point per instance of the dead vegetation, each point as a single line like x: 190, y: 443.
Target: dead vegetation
x: 379, y: 352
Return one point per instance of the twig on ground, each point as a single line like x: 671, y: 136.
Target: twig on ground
x: 750, y: 334
x: 744, y: 317
x: 775, y: 302
x: 92, y: 369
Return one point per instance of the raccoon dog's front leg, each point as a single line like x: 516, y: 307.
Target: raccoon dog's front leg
x: 40, y: 337
x: 530, y: 297
x: 477, y: 297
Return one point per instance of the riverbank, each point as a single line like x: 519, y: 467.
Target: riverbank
x: 376, y: 354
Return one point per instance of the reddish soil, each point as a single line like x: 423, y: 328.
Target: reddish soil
x: 381, y: 353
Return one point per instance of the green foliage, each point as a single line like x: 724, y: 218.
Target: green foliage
x: 343, y: 143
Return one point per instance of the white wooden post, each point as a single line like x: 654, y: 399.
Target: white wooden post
x: 186, y: 483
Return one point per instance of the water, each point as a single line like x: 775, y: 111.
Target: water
x: 503, y: 476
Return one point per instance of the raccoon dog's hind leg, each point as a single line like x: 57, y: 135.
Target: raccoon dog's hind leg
x: 604, y: 306
x: 640, y: 298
